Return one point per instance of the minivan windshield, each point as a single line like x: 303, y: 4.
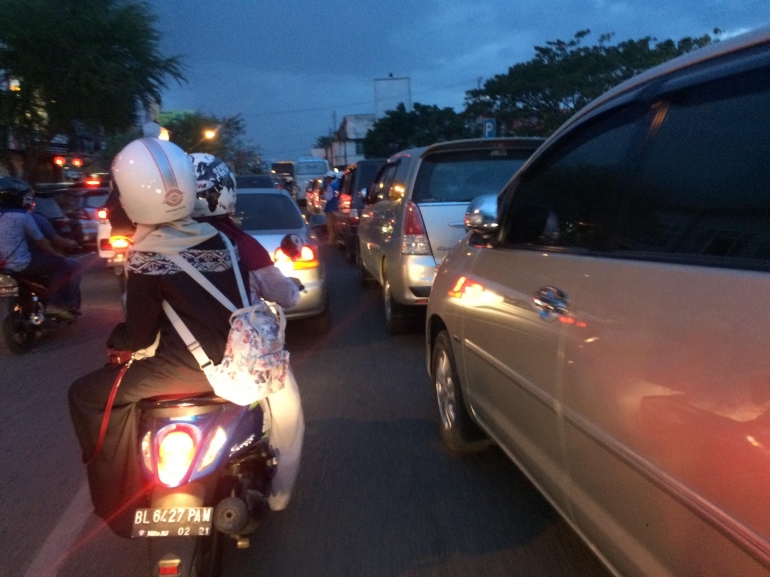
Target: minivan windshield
x: 283, y: 168
x: 463, y: 175
x: 311, y: 167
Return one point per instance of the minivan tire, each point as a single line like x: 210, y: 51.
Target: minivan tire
x: 459, y: 431
x: 365, y: 278
x: 396, y: 316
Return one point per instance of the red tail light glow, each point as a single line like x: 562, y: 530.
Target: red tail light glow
x: 93, y: 182
x: 82, y: 214
x: 176, y: 452
x: 307, y: 259
x: 102, y: 214
x: 415, y: 241
x: 119, y: 242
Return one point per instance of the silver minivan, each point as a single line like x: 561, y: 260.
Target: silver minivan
x: 414, y: 213
x: 611, y: 334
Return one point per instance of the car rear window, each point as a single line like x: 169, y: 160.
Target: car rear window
x: 96, y: 200
x: 267, y: 212
x: 48, y: 208
x: 462, y: 176
x: 255, y: 181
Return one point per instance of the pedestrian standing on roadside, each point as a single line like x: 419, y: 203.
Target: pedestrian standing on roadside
x: 331, y: 188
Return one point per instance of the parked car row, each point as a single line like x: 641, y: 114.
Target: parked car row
x: 596, y: 307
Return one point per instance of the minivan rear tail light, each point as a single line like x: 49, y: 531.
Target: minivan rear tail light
x: 119, y: 242
x: 82, y: 214
x: 101, y: 214
x: 415, y: 241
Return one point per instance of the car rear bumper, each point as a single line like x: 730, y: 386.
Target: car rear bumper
x: 412, y: 284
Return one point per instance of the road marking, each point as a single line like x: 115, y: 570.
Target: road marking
x: 56, y: 547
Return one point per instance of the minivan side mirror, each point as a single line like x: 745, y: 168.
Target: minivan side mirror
x: 481, y: 214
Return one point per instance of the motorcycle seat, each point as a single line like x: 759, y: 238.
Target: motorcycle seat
x: 175, y: 401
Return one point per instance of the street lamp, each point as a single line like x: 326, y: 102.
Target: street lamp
x: 209, y: 134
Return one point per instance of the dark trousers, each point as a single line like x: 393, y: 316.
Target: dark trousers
x: 60, y: 275
x: 115, y: 478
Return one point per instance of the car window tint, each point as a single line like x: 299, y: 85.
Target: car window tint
x: 254, y: 181
x: 267, y: 212
x: 703, y: 189
x: 397, y: 187
x: 572, y: 198
x: 365, y: 174
x: 462, y: 176
x: 48, y: 208
x: 96, y: 201
x: 346, y: 179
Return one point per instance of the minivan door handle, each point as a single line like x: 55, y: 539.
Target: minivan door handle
x: 550, y: 302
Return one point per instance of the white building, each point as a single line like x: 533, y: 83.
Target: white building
x: 347, y: 145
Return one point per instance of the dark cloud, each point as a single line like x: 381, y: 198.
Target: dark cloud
x: 289, y: 67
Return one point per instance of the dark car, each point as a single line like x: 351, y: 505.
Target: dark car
x: 46, y: 205
x: 356, y: 179
x: 255, y: 181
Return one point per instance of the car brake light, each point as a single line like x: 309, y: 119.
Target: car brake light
x: 119, y: 242
x: 101, y: 214
x: 169, y: 568
x: 93, y: 182
x: 176, y: 451
x: 82, y: 214
x: 104, y: 244
x: 307, y: 259
x: 415, y: 241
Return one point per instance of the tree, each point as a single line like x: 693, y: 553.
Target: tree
x: 186, y: 129
x: 425, y: 124
x: 535, y: 97
x: 77, y: 62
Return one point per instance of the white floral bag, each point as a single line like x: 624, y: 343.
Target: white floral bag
x: 255, y: 362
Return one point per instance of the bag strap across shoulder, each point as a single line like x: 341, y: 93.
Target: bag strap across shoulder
x: 189, y: 339
x: 198, y: 277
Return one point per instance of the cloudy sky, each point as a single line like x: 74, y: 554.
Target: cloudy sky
x: 291, y: 67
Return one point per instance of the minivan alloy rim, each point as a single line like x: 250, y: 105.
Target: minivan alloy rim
x: 445, y: 390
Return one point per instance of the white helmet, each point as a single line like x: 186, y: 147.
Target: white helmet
x: 155, y: 181
x: 216, y: 186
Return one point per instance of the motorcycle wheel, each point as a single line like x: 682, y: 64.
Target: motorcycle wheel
x: 19, y: 336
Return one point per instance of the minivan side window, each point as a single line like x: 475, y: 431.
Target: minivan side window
x: 381, y: 186
x: 398, y: 187
x: 571, y: 199
x: 703, y: 188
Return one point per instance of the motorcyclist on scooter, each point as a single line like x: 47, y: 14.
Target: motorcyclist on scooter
x: 157, y: 188
x: 26, y: 250
x: 215, y: 204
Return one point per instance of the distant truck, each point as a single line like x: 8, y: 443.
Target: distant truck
x: 301, y: 171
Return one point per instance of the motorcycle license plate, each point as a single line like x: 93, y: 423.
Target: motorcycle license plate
x: 177, y: 522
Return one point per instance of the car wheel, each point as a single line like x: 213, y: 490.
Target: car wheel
x: 365, y: 278
x: 396, y: 316
x: 458, y: 430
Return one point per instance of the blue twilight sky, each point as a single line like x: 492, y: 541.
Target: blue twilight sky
x: 291, y: 67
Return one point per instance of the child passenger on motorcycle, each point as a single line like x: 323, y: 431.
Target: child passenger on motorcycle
x: 215, y: 204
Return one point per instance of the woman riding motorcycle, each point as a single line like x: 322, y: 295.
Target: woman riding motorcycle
x: 157, y: 187
x: 215, y: 205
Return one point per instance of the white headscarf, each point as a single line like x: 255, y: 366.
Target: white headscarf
x: 172, y: 237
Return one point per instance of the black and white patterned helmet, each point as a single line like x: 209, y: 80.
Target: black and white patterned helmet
x: 216, y: 186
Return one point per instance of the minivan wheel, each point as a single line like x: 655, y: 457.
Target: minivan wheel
x: 458, y: 430
x: 396, y: 316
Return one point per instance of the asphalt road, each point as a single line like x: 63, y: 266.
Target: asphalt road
x: 377, y: 495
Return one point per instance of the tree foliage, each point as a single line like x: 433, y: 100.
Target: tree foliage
x: 186, y: 129
x: 90, y: 62
x: 535, y: 97
x: 401, y: 128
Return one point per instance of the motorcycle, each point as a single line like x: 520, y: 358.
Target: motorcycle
x: 23, y: 309
x: 211, y: 465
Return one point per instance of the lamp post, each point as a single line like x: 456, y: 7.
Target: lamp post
x: 209, y: 134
